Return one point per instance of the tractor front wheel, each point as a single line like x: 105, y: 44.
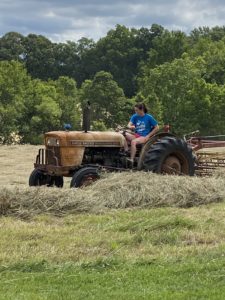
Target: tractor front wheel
x: 38, y: 178
x: 57, y: 181
x: 84, y: 177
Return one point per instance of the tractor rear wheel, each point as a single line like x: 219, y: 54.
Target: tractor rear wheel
x: 38, y: 178
x: 84, y: 177
x: 169, y: 155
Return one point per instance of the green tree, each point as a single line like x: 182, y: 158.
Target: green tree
x: 15, y: 86
x: 42, y: 113
x: 215, y: 33
x: 109, y: 104
x: 12, y: 46
x: 167, y: 47
x: 213, y: 54
x: 181, y: 92
x: 40, y: 57
x: 67, y: 59
x: 68, y: 101
x: 117, y: 54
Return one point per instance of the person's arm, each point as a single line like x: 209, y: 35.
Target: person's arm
x: 132, y: 122
x: 154, y: 125
x: 131, y: 126
x: 153, y: 132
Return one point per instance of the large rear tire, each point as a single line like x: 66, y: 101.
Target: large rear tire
x: 84, y: 177
x: 169, y: 155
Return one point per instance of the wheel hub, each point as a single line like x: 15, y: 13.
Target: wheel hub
x: 88, y: 180
x: 172, y: 165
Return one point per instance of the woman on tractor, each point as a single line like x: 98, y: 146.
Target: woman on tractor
x: 144, y: 127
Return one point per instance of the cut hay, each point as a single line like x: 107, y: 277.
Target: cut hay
x: 120, y: 190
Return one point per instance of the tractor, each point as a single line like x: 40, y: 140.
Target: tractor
x: 83, y: 155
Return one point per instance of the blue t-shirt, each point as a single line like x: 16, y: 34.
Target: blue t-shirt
x: 143, y: 124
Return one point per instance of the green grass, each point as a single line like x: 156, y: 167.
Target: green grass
x: 161, y: 253
x: 154, y: 253
x: 196, y: 278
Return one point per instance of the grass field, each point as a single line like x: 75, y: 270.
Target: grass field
x: 171, y: 249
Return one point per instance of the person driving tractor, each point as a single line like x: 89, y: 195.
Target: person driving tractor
x: 144, y: 127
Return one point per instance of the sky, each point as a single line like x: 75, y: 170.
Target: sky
x: 62, y: 20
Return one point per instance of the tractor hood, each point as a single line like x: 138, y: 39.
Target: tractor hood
x: 84, y: 139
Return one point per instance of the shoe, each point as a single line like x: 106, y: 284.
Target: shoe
x: 130, y: 162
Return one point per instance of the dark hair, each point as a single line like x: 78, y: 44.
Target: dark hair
x: 141, y: 106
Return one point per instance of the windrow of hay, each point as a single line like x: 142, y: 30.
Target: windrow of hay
x: 124, y: 190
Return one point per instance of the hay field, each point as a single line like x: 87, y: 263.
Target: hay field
x: 16, y: 163
x: 113, y: 191
x: 128, y: 236
x: 220, y: 150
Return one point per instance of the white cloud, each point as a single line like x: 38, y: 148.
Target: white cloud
x: 72, y: 19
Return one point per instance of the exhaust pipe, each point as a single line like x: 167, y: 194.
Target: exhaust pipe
x: 87, y: 117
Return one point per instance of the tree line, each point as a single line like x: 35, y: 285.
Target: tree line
x: 181, y: 78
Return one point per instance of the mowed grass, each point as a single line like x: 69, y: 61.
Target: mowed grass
x: 163, y: 253
x: 16, y: 163
x: 157, y: 253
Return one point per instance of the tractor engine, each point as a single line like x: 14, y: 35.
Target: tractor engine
x: 103, y: 156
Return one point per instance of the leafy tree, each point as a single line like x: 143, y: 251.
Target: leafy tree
x: 180, y: 77
x: 15, y: 85
x: 107, y: 100
x: 40, y: 58
x: 216, y: 121
x: 74, y: 59
x: 214, y: 58
x: 42, y: 114
x: 12, y: 46
x: 67, y: 59
x: 117, y: 54
x: 215, y: 33
x: 180, y: 92
x: 213, y: 54
x: 167, y: 47
x: 68, y: 101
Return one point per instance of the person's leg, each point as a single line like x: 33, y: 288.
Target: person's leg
x: 134, y: 143
x: 128, y: 138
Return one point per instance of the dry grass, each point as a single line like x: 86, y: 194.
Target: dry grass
x: 16, y: 164
x: 125, y: 190
x: 163, y: 233
x: 219, y: 150
x: 170, y: 252
x: 144, y: 190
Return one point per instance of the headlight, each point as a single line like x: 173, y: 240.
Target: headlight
x: 52, y: 142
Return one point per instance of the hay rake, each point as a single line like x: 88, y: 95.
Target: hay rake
x: 210, y: 153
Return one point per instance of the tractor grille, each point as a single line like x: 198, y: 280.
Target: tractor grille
x: 49, y: 156
x: 53, y: 153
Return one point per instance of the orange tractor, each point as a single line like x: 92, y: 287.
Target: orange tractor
x: 82, y: 155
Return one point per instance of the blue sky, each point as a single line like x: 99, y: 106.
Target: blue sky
x: 62, y: 20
